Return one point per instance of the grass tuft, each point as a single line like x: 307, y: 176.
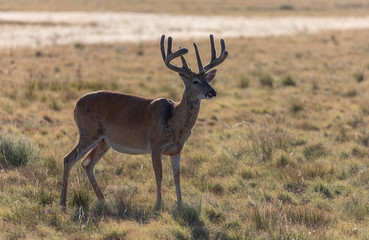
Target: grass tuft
x: 214, y: 216
x: 216, y: 188
x: 266, y: 81
x: 244, y: 82
x: 81, y: 198
x: 190, y: 216
x: 287, y: 81
x: 323, y: 189
x: 359, y: 77
x: 46, y: 197
x: 16, y: 150
x: 314, y: 151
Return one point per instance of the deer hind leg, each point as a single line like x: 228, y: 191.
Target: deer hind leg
x: 89, y: 163
x: 82, y: 147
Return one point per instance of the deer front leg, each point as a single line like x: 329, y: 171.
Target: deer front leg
x: 175, y: 163
x: 157, y: 165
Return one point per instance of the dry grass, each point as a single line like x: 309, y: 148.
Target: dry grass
x: 203, y: 7
x: 254, y: 167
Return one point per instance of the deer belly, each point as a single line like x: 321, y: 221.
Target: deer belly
x: 129, y: 149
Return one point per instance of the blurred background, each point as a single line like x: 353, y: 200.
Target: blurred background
x: 46, y: 22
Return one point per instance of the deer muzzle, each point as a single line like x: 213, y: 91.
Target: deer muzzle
x: 210, y: 94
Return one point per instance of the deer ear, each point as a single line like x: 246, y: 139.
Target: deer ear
x: 210, y: 75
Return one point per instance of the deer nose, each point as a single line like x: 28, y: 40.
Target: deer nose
x: 213, y: 92
x: 210, y: 94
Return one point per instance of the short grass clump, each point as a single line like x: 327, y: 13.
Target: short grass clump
x: 16, y: 150
x: 244, y: 82
x: 81, y: 198
x: 266, y: 81
x: 314, y: 151
x: 288, y: 81
x: 359, y: 77
x: 324, y: 190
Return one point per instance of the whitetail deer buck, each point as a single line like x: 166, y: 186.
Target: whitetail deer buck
x: 136, y: 125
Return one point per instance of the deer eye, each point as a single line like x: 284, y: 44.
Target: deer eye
x: 195, y: 82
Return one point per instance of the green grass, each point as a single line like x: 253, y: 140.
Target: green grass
x: 16, y: 151
x: 262, y: 162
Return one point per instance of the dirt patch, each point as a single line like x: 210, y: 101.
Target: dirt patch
x: 34, y: 29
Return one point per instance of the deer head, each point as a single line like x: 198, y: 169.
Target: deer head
x: 196, y: 84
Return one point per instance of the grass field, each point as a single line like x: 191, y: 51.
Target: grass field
x: 280, y: 153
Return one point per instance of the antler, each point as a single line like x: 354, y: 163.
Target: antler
x: 184, y: 70
x: 214, y: 61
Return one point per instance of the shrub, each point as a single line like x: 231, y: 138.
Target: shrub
x: 355, y: 120
x: 364, y: 139
x: 288, y: 81
x: 359, y: 77
x: 266, y: 80
x: 187, y: 215
x: 285, y: 198
x: 244, y: 82
x: 16, y: 151
x: 216, y: 188
x: 296, y: 105
x: 314, y: 151
x: 283, y: 161
x: 81, y: 198
x: 259, y: 220
x: 246, y: 174
x: 45, y: 197
x: 324, y: 190
x: 296, y: 187
x: 214, y: 216
x: 350, y: 93
x: 286, y: 7
x: 357, y: 208
x: 309, y: 216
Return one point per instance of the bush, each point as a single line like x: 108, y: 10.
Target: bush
x: 288, y: 81
x: 244, y: 82
x: 314, y: 151
x: 266, y: 81
x: 324, y: 190
x: 16, y: 151
x: 286, y: 7
x: 296, y: 105
x: 81, y: 198
x: 359, y: 77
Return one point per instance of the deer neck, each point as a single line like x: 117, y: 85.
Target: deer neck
x: 188, y: 109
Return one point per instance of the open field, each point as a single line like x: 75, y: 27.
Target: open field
x: 282, y: 152
x: 202, y: 7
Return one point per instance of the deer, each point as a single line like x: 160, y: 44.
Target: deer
x: 136, y: 125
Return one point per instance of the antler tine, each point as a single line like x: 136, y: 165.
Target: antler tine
x: 199, y: 63
x: 214, y: 60
x: 169, y: 47
x: 184, y: 63
x: 212, y: 48
x: 184, y: 70
x: 162, y: 47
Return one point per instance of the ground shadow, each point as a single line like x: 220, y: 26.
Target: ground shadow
x: 188, y: 215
